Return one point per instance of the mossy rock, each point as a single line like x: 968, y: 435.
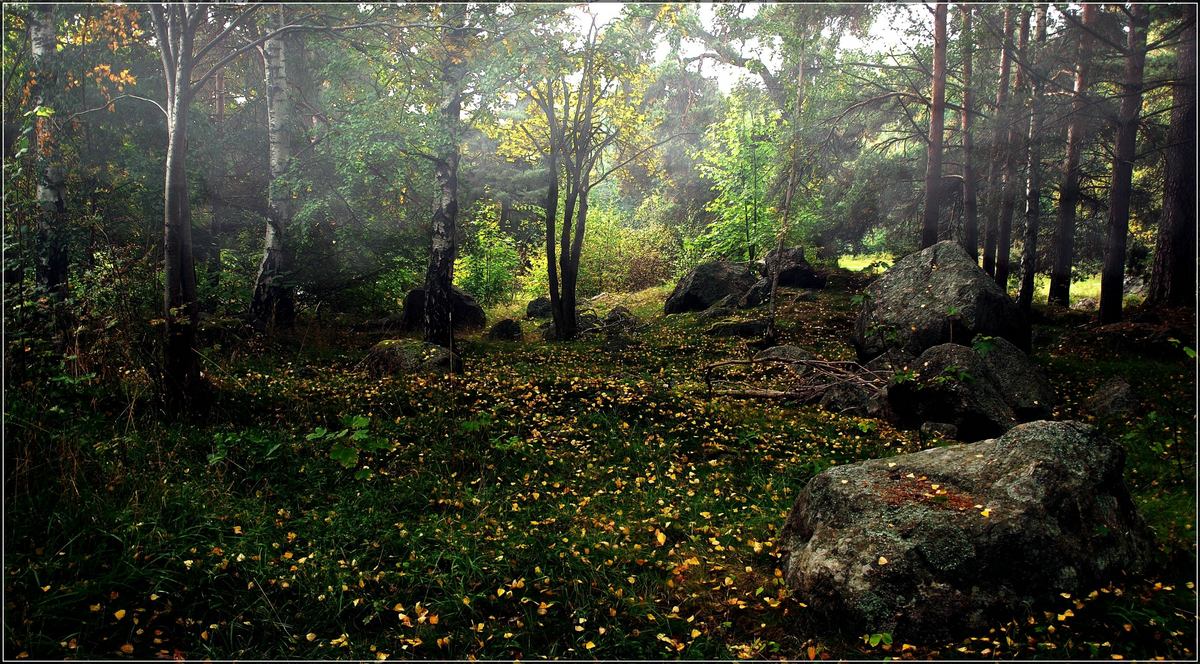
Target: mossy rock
x: 410, y: 356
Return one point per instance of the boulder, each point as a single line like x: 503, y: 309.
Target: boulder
x: 722, y: 308
x: 619, y: 318
x: 759, y: 293
x: 409, y: 356
x: 794, y: 269
x: 848, y: 399
x: 955, y: 539
x: 1113, y: 398
x: 466, y: 313
x: 739, y: 328
x: 707, y: 283
x: 951, y: 385
x: 891, y: 362
x: 785, y: 352
x: 935, y: 296
x: 539, y: 308
x: 506, y: 329
x: 1021, y: 384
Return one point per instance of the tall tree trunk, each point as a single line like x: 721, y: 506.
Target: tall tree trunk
x: 1173, y: 280
x: 272, y: 302
x: 1008, y: 200
x: 439, y: 324
x: 937, y: 111
x: 970, y: 203
x: 215, y: 183
x: 52, y: 259
x: 1068, y: 192
x: 551, y: 219
x: 568, y: 279
x: 1112, y: 277
x: 181, y: 366
x: 1033, y: 156
x: 996, y: 166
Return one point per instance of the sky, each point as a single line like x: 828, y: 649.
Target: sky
x: 885, y: 34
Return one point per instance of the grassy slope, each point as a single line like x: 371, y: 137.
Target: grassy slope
x: 570, y: 500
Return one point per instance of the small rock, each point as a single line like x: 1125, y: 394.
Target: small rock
x: 785, y: 352
x: 505, y: 330
x: 539, y: 308
x: 1114, y: 398
x: 409, y: 356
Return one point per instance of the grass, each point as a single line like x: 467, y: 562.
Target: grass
x: 859, y: 262
x: 556, y: 500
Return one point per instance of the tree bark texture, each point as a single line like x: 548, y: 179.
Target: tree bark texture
x: 439, y: 328
x: 970, y: 201
x: 996, y: 165
x: 1008, y: 200
x: 1173, y: 277
x: 1033, y: 157
x: 1112, y: 276
x: 181, y: 369
x: 52, y: 261
x: 937, y: 111
x: 272, y: 302
x: 1068, y: 192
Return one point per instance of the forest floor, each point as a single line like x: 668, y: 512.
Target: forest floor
x: 578, y: 500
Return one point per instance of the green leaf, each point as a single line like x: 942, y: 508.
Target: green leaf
x: 347, y: 456
x: 359, y: 422
x: 363, y: 474
x: 317, y: 434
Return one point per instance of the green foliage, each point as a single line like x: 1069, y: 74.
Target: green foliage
x: 487, y: 268
x: 740, y: 156
x: 346, y: 443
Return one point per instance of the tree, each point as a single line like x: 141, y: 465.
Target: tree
x: 1112, y: 276
x: 996, y: 165
x: 933, y: 148
x: 1033, y: 166
x: 1012, y: 145
x: 272, y: 299
x: 439, y: 275
x: 587, y: 124
x: 52, y: 259
x: 1068, y: 191
x: 1172, y: 279
x: 970, y: 202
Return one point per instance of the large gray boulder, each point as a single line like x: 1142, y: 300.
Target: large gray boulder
x: 958, y: 538
x: 707, y: 283
x: 935, y: 296
x: 466, y: 313
x: 409, y: 356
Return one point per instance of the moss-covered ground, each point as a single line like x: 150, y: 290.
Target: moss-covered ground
x: 571, y: 500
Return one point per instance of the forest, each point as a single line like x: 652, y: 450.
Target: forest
x: 599, y: 331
